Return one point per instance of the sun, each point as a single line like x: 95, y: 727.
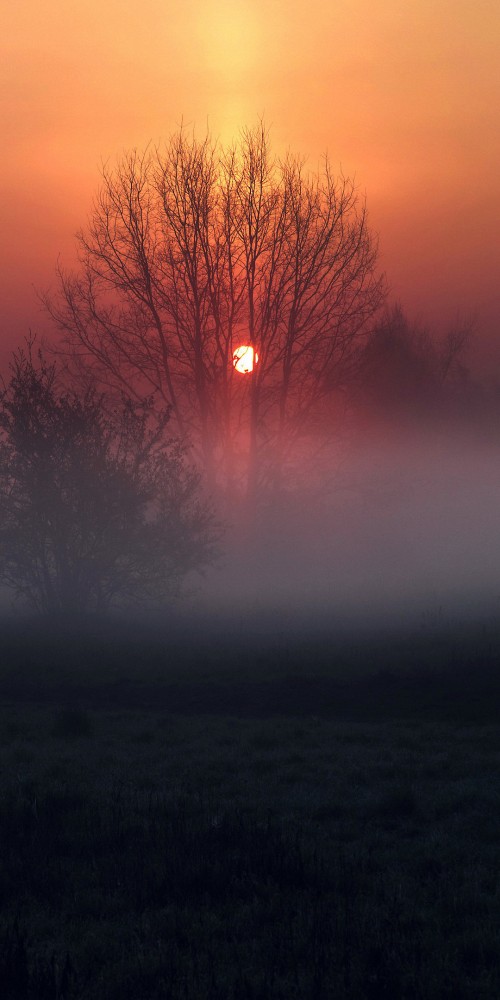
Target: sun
x: 244, y: 359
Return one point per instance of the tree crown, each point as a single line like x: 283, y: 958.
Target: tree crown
x: 97, y: 507
x: 193, y: 249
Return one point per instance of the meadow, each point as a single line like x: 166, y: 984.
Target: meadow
x: 301, y: 817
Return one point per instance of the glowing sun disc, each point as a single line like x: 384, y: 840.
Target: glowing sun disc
x: 244, y: 359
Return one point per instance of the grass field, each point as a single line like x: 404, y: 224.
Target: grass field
x: 309, y: 818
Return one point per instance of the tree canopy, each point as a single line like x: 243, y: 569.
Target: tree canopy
x: 97, y: 508
x: 192, y: 250
x: 409, y: 377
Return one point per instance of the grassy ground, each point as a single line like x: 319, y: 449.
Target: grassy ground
x: 313, y: 824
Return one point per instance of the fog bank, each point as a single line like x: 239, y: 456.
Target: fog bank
x: 395, y: 533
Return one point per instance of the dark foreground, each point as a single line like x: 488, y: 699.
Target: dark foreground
x: 287, y: 819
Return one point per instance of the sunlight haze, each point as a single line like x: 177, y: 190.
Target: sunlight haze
x: 404, y: 97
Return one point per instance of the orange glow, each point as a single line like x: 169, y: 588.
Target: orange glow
x: 245, y: 359
x: 403, y: 96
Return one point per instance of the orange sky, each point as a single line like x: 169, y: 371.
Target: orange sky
x: 403, y: 93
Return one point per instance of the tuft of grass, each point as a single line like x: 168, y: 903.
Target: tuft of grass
x: 398, y: 803
x: 71, y: 724
x: 327, y: 811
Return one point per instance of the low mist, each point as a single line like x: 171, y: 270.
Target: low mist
x: 399, y: 533
x: 394, y: 536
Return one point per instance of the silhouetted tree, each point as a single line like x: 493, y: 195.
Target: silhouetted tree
x: 194, y: 249
x: 96, y: 509
x: 407, y: 375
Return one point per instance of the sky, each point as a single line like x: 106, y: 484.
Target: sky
x: 403, y: 94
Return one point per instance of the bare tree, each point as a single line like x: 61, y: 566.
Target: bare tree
x: 96, y: 509
x: 194, y: 249
x: 410, y: 376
